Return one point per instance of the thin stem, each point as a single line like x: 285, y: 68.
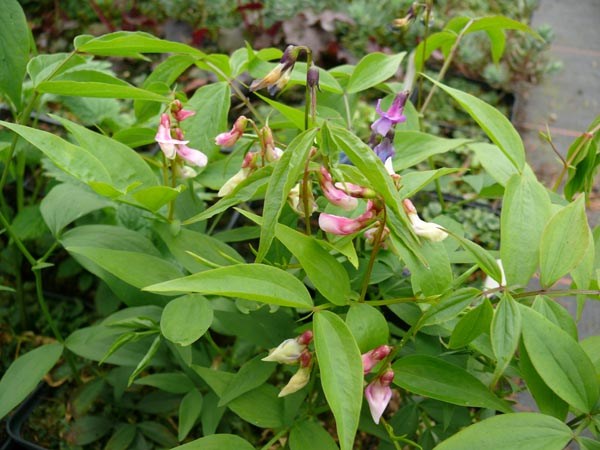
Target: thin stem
x: 438, y: 187
x: 394, y: 301
x: 306, y: 203
x: 558, y: 293
x: 585, y: 137
x: 426, y: 35
x: 274, y: 439
x: 30, y: 259
x: 173, y: 185
x: 446, y: 65
x: 347, y: 108
x: 376, y: 247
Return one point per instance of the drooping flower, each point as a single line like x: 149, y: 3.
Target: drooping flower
x: 373, y: 357
x: 355, y: 190
x: 277, y: 78
x: 378, y: 394
x: 179, y: 113
x: 428, y: 230
x: 301, y: 377
x: 229, y: 138
x: 392, y: 116
x: 336, y: 196
x: 248, y: 166
x: 165, y: 139
x: 385, y: 149
x: 295, y: 200
x: 272, y: 153
x: 189, y: 155
x: 290, y: 350
x: 343, y: 225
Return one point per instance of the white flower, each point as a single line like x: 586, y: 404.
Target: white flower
x: 428, y: 230
x: 288, y: 352
x: 297, y: 382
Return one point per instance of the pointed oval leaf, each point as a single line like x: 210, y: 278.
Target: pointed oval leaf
x: 505, y: 332
x: 217, y: 442
x: 373, y: 69
x: 493, y: 122
x: 525, y: 213
x: 257, y: 282
x: 185, y: 319
x: 368, y: 326
x: 433, y: 377
x: 189, y: 411
x: 564, y: 242
x: 516, y: 431
x: 472, y: 324
x: 14, y: 50
x: 310, y: 435
x: 341, y: 370
x: 24, y: 374
x: 560, y: 361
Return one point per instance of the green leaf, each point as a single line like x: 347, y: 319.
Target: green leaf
x: 155, y: 197
x: 136, y: 269
x: 555, y: 313
x: 212, y: 104
x: 525, y: 213
x: 449, y: 306
x: 588, y: 443
x: 433, y: 377
x: 270, y: 413
x: 145, y: 361
x: 516, y: 431
x: 24, y: 374
x: 249, y: 281
x: 207, y: 247
x: 125, y: 43
x: 68, y: 157
x: 560, y: 361
x: 250, y: 376
x: 564, y: 242
x: 497, y: 127
x: 14, y: 50
x: 324, y: 271
x: 547, y: 401
x: 217, y: 442
x: 97, y: 89
x: 66, y: 203
x: 494, y: 161
x: 158, y: 433
x: 294, y: 115
x: 175, y: 323
x: 413, y: 147
x: 43, y: 67
x: 341, y: 370
x: 286, y: 173
x: 484, y: 259
x: 189, y: 412
x: 88, y: 429
x: 413, y: 182
x: 471, y: 325
x: 122, y: 437
x: 175, y: 382
x: 309, y: 434
x: 373, y: 69
x: 505, y: 332
x: 368, y: 326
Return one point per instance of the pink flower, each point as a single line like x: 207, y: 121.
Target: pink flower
x: 378, y: 394
x: 165, y: 140
x: 229, y: 138
x: 342, y: 225
x: 355, y: 190
x: 190, y: 155
x: 373, y: 357
x: 179, y: 113
x: 334, y: 195
x: 392, y: 116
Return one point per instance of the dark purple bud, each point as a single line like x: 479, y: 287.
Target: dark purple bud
x: 312, y: 77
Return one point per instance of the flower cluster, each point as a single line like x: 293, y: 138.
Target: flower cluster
x: 378, y: 392
x: 294, y: 351
x: 175, y: 147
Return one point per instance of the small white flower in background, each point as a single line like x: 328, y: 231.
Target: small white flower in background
x: 489, y: 283
x: 428, y: 230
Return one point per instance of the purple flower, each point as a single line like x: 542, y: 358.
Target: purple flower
x: 392, y: 116
x: 385, y: 149
x: 378, y: 394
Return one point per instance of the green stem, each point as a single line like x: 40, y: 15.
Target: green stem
x: 30, y: 259
x: 395, y: 301
x: 306, y: 197
x: 374, y: 251
x: 307, y: 91
x: 438, y: 187
x: 426, y: 35
x: 348, y: 114
x: 274, y: 439
x: 173, y: 185
x: 446, y: 65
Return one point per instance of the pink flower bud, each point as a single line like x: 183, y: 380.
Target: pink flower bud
x: 378, y: 394
x: 334, y: 195
x: 179, y: 113
x: 305, y: 338
x: 342, y: 225
x: 355, y: 190
x: 428, y: 230
x: 229, y: 138
x: 165, y: 140
x: 373, y: 357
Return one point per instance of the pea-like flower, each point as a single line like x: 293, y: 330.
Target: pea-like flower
x: 343, y: 226
x: 290, y: 350
x: 277, y: 78
x: 392, y: 116
x: 428, y: 230
x: 248, y: 166
x: 301, y: 377
x: 189, y: 155
x: 336, y: 196
x: 179, y: 113
x: 378, y: 394
x: 229, y: 138
x: 373, y: 357
x: 165, y: 139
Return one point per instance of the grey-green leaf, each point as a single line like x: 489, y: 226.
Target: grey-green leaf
x: 189, y: 411
x: 505, y: 332
x: 249, y: 281
x: 516, y: 431
x: 185, y: 319
x: 341, y: 370
x: 14, y: 50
